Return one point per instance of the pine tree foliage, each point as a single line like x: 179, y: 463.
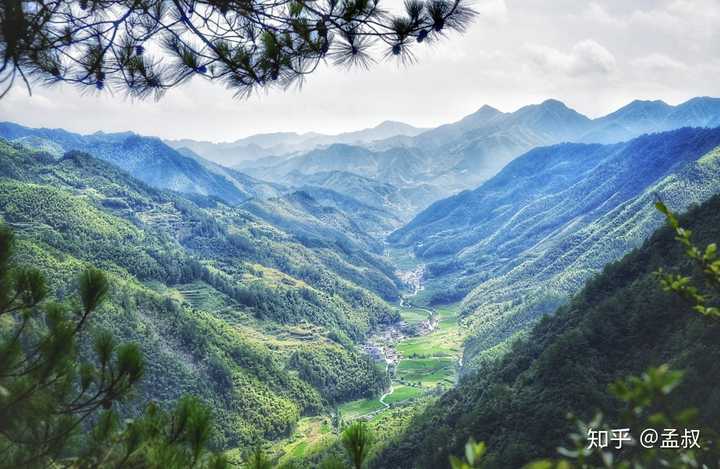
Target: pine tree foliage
x: 706, y: 302
x: 357, y: 440
x: 144, y: 47
x: 60, y: 410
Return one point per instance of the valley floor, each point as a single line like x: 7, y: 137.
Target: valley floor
x: 423, y: 354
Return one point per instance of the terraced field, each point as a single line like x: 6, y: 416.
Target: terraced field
x: 402, y: 394
x: 445, y: 341
x: 426, y: 372
x: 427, y: 361
x: 414, y: 316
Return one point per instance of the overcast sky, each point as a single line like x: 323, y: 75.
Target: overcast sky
x: 594, y: 56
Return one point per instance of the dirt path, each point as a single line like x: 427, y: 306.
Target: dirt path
x: 382, y: 398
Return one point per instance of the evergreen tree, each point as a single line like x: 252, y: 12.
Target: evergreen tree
x: 357, y: 440
x: 58, y: 409
x: 145, y: 47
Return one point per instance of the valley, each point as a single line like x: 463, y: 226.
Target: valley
x: 341, y: 284
x: 423, y: 355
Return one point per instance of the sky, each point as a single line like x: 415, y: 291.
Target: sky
x: 595, y: 56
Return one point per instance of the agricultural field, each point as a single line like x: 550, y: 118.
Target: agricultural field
x: 360, y: 408
x: 445, y: 341
x: 427, y: 372
x: 403, y: 393
x: 427, y: 361
x: 413, y: 316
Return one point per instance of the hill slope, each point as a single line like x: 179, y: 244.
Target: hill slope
x: 226, y: 305
x: 619, y: 324
x: 517, y: 246
x: 151, y: 161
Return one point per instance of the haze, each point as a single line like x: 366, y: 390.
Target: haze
x: 593, y: 56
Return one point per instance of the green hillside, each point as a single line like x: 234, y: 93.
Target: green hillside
x: 226, y: 305
x: 619, y: 324
x: 519, y: 245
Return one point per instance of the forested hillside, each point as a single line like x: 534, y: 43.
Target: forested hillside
x: 149, y: 160
x: 227, y: 306
x: 517, y: 246
x: 621, y: 323
x: 291, y: 312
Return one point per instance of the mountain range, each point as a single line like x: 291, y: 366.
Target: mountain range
x: 419, y: 166
x: 461, y: 155
x: 148, y: 159
x: 517, y: 246
x: 260, y: 319
x: 262, y: 286
x: 283, y: 143
x: 620, y: 324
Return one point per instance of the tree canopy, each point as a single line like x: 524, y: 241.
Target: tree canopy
x: 144, y: 47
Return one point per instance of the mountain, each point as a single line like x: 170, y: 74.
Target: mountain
x: 619, y: 324
x: 641, y: 117
x: 549, y: 120
x: 260, y: 322
x: 153, y: 162
x: 637, y: 118
x: 450, y: 157
x: 518, y: 245
x: 401, y: 167
x: 321, y: 216
x: 402, y: 202
x: 462, y: 155
x: 283, y: 143
x: 260, y: 189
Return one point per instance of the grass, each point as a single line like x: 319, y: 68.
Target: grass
x: 354, y: 409
x: 298, y: 451
x: 427, y: 371
x: 429, y: 346
x: 413, y: 316
x: 403, y: 393
x: 445, y: 341
x: 310, y: 434
x: 200, y: 295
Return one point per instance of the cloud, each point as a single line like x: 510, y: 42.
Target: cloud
x: 598, y: 14
x: 492, y: 11
x: 594, y: 55
x: 585, y: 58
x: 657, y: 62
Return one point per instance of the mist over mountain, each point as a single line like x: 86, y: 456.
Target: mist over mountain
x: 151, y: 161
x: 283, y: 143
x: 462, y: 155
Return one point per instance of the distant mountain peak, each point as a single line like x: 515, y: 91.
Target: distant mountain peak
x: 551, y: 112
x: 556, y: 103
x: 648, y: 101
x: 483, y: 115
x: 391, y: 124
x: 645, y: 106
x: 487, y: 109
